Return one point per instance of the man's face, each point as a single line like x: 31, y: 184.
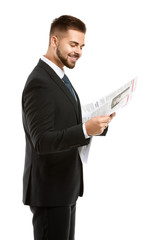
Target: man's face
x: 69, y: 48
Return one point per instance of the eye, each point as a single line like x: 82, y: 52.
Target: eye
x: 72, y: 44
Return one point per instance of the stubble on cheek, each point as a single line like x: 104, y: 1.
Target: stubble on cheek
x: 66, y: 60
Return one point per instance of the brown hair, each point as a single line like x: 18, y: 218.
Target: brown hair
x: 66, y: 22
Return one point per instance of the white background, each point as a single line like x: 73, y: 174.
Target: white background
x: 121, y: 199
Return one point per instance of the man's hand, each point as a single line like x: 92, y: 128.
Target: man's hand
x: 96, y: 125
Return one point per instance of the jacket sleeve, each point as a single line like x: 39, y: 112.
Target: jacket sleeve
x: 40, y: 111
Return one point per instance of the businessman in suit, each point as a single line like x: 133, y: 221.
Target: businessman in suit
x: 53, y: 175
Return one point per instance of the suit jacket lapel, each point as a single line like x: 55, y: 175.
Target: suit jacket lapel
x: 63, y: 87
x: 78, y: 105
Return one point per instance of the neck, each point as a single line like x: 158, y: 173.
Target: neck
x: 51, y: 56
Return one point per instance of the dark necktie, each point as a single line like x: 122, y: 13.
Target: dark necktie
x: 68, y: 84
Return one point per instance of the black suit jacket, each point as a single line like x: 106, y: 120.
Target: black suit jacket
x: 52, y: 121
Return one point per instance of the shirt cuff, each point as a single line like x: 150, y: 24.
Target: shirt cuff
x: 84, y: 131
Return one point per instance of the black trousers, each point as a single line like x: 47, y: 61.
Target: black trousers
x: 54, y: 223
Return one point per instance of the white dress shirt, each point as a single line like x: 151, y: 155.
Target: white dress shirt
x: 61, y: 73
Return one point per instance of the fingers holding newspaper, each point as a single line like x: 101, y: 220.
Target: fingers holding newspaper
x: 96, y: 125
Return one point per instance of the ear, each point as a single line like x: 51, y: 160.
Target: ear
x: 54, y: 41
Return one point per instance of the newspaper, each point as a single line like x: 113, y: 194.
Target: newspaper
x: 106, y: 105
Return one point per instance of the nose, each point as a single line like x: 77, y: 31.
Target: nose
x: 78, y: 50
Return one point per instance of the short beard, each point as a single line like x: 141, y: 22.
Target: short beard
x: 63, y: 60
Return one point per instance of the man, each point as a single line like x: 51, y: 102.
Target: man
x: 53, y: 176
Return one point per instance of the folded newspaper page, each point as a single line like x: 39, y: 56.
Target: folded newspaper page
x: 106, y: 105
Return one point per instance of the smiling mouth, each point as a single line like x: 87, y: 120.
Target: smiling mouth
x: 74, y: 58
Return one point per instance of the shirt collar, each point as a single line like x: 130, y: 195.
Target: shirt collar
x: 58, y: 70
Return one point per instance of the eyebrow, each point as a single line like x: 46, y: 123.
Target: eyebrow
x: 77, y: 43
